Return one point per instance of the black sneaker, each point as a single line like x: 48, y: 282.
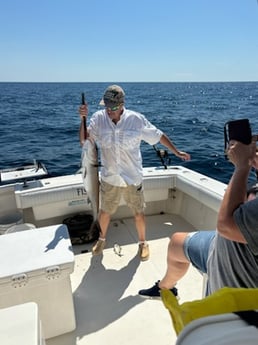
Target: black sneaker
x: 154, y: 291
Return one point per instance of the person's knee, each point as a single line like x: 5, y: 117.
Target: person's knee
x: 176, y: 245
x: 104, y: 213
x: 178, y: 238
x: 139, y: 216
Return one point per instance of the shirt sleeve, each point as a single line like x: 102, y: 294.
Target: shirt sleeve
x: 150, y: 133
x: 246, y: 217
x: 93, y: 127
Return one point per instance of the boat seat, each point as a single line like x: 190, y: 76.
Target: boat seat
x: 223, y: 329
x: 21, y: 324
x: 205, y: 319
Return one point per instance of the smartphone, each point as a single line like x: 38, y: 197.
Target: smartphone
x: 239, y: 130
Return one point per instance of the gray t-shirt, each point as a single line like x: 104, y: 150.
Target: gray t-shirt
x: 235, y: 264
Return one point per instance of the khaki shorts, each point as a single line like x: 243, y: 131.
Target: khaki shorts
x: 111, y: 196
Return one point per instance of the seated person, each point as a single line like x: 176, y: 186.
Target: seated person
x: 229, y: 255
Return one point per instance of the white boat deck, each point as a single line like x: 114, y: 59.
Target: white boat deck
x: 114, y: 313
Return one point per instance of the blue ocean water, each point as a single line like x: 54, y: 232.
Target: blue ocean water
x: 40, y: 121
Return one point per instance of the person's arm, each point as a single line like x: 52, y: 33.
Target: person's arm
x: 83, y: 111
x: 164, y: 140
x: 242, y: 156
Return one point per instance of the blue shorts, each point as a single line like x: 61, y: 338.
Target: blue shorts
x: 196, y: 248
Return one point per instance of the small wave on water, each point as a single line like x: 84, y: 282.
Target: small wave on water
x: 40, y: 121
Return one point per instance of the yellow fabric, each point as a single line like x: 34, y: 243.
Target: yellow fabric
x: 225, y: 300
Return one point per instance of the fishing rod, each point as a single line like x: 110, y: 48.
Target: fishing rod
x: 84, y: 118
x: 163, y: 156
x: 83, y: 102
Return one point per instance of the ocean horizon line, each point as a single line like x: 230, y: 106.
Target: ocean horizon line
x: 127, y: 82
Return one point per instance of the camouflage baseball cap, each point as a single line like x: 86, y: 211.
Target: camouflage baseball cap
x: 113, y: 96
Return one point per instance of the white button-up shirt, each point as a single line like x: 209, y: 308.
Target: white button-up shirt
x: 119, y: 145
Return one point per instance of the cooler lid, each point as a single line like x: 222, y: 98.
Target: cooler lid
x: 35, y: 249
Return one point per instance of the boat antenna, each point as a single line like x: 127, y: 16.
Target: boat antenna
x: 163, y: 156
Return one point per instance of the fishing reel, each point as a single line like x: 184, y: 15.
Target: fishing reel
x: 163, y: 156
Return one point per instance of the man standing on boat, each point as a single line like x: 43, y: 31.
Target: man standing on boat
x: 118, y: 132
x: 229, y: 256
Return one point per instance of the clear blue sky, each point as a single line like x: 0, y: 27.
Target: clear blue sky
x: 128, y: 40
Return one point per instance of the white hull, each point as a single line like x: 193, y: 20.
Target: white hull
x: 107, y: 307
x: 173, y: 190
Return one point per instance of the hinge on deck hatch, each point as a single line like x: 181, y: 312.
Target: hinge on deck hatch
x: 53, y: 272
x: 19, y: 280
x: 172, y: 193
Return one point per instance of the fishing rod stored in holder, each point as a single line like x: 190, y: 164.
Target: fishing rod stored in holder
x: 163, y: 156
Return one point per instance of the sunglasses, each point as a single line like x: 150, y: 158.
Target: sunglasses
x: 114, y: 108
x: 253, y: 190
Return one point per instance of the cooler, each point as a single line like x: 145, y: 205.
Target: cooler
x: 20, y: 324
x: 35, y: 267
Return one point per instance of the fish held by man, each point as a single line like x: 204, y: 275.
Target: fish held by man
x: 90, y: 174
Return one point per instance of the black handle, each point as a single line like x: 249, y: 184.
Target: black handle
x: 83, y: 98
